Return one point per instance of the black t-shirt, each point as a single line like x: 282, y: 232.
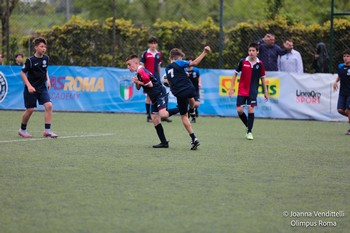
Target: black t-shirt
x: 36, y: 69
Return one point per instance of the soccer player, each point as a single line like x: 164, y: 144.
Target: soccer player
x: 37, y: 83
x: 157, y: 93
x: 194, y: 75
x: 344, y: 90
x: 252, y: 70
x: 151, y: 59
x: 182, y: 87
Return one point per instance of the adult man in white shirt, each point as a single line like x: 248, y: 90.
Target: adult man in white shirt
x: 291, y: 61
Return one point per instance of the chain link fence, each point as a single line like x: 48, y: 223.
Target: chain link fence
x: 29, y: 16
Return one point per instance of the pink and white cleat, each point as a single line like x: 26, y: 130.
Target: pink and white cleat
x: 49, y: 133
x: 24, y: 133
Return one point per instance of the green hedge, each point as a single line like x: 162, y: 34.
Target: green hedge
x: 89, y: 43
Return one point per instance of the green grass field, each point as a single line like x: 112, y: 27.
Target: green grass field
x: 101, y: 175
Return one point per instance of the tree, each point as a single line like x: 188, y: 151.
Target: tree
x: 6, y: 8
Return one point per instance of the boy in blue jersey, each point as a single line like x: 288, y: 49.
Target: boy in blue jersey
x: 194, y: 76
x: 344, y: 90
x: 37, y: 83
x: 182, y: 87
x: 157, y: 94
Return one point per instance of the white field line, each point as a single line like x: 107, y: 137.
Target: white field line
x: 63, y: 137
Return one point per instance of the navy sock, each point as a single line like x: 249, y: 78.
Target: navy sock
x: 148, y: 110
x: 250, y: 121
x: 160, y: 133
x: 173, y: 111
x: 243, y: 118
x: 23, y: 126
x: 192, y: 136
x: 47, y: 126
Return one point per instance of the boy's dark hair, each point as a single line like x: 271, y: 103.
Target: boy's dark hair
x: 39, y: 40
x: 175, y: 53
x: 254, y: 45
x: 347, y: 51
x: 19, y: 54
x: 153, y: 39
x: 131, y: 57
x: 190, y: 58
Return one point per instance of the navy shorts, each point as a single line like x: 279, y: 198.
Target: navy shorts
x: 160, y: 102
x: 246, y: 100
x: 182, y: 99
x: 343, y: 102
x: 41, y: 95
x: 197, y: 96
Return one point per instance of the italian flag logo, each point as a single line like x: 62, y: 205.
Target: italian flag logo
x: 126, y: 89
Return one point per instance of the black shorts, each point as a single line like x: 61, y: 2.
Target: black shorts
x: 246, y: 100
x: 343, y: 102
x: 197, y: 96
x: 182, y: 99
x: 41, y: 95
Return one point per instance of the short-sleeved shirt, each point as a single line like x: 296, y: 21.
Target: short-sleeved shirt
x: 344, y: 75
x: 151, y: 61
x: 194, y: 77
x: 147, y: 78
x: 36, y: 70
x: 177, y: 76
x: 250, y: 76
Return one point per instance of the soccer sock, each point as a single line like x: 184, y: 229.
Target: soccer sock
x: 250, y: 121
x: 160, y: 133
x: 148, y: 109
x: 47, y: 126
x: 173, y: 111
x: 243, y: 118
x: 23, y: 126
x: 192, y: 136
x: 196, y: 111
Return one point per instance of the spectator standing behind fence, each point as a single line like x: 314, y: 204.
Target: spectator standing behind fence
x: 321, y: 61
x: 291, y: 61
x: 18, y: 60
x: 269, y: 52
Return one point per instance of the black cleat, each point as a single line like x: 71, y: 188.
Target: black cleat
x: 193, y: 120
x: 192, y: 112
x: 162, y: 145
x: 195, y: 144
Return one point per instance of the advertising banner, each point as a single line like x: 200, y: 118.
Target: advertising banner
x: 107, y: 89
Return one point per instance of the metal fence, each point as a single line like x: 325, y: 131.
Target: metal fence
x: 31, y: 15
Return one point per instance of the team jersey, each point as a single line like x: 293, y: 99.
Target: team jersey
x: 194, y: 77
x: 344, y: 75
x: 147, y: 78
x: 250, y: 76
x: 36, y: 69
x: 177, y: 76
x: 151, y: 61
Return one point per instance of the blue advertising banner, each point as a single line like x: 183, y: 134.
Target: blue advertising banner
x: 107, y: 89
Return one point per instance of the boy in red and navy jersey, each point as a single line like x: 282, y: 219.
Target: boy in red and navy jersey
x: 252, y: 70
x: 151, y: 60
x: 157, y: 94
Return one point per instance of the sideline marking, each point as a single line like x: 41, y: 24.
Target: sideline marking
x: 63, y: 137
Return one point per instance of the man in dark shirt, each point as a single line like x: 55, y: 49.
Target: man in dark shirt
x: 269, y: 52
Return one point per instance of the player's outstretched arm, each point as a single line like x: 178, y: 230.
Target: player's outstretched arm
x: 196, y: 61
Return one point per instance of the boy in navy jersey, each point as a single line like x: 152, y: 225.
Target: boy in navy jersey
x: 344, y: 90
x: 252, y: 70
x: 156, y: 92
x: 37, y: 83
x: 182, y: 87
x: 194, y: 76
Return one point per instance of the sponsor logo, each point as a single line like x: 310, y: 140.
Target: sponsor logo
x: 126, y: 89
x: 86, y: 84
x: 3, y: 87
x: 272, y: 84
x: 308, y: 97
